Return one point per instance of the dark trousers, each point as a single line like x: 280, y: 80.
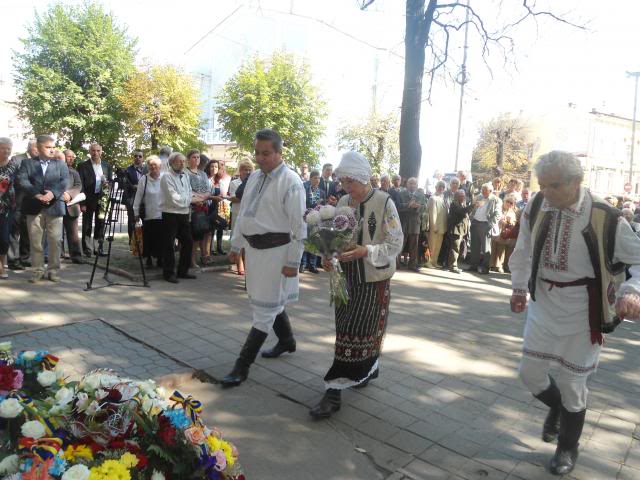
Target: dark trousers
x: 131, y: 221
x: 88, y: 216
x: 152, y: 238
x: 480, y: 244
x: 454, y: 250
x: 19, y: 239
x: 70, y: 225
x: 6, y: 219
x: 411, y: 246
x: 176, y: 225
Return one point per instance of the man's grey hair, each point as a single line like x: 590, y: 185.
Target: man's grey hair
x: 153, y: 158
x: 566, y: 162
x: 412, y: 179
x: 385, y: 176
x: 40, y: 139
x: 488, y: 185
x: 68, y: 150
x: 454, y: 180
x: 165, y: 151
x: 441, y: 184
x: 175, y: 155
x: 6, y: 141
x: 95, y: 144
x: 460, y: 192
x: 627, y: 211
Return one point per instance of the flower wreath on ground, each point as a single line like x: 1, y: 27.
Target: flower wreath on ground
x: 331, y: 231
x: 101, y: 427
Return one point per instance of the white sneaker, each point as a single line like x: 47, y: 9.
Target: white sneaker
x: 36, y: 277
x: 54, y: 277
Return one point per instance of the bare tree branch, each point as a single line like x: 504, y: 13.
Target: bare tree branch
x: 531, y: 13
x: 364, y: 4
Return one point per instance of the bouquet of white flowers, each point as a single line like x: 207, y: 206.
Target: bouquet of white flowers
x: 330, y: 231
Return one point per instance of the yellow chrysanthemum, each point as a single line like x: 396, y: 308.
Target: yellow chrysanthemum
x: 228, y: 452
x: 73, y: 453
x: 110, y: 470
x: 129, y: 460
x: 213, y: 443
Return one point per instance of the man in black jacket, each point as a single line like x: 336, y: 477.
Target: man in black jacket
x: 458, y: 227
x: 133, y: 173
x: 44, y: 182
x: 95, y: 175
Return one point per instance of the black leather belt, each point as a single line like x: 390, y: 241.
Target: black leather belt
x: 268, y: 240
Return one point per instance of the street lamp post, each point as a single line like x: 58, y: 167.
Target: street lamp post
x: 633, y: 124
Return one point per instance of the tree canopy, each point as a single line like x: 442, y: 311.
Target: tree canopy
x: 274, y: 93
x: 376, y: 137
x: 161, y: 107
x: 72, y: 68
x: 504, y: 146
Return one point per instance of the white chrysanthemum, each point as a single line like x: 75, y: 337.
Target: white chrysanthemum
x: 91, y: 382
x: 76, y: 472
x: 344, y: 211
x: 29, y: 355
x: 33, y: 429
x: 9, y: 465
x: 313, y: 218
x: 93, y: 408
x: 327, y: 212
x: 83, y: 401
x: 64, y: 396
x: 10, y: 408
x: 46, y: 378
x: 5, y: 346
x: 157, y: 475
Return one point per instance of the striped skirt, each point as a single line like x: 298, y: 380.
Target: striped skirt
x: 360, y: 328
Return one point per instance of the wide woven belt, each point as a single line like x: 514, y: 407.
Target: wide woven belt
x: 264, y: 241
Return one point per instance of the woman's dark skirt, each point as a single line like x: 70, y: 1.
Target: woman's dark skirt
x: 152, y: 238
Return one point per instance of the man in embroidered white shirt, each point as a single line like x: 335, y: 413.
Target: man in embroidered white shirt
x: 271, y: 229
x: 570, y: 257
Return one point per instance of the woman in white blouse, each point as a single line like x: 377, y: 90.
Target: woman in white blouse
x: 148, y: 194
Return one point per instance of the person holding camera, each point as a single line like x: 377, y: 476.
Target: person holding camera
x: 132, y: 176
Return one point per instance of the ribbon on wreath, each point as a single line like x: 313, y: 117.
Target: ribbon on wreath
x: 49, y: 361
x: 23, y: 398
x: 43, y: 448
x: 192, y: 406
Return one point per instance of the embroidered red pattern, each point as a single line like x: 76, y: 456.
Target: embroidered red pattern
x: 579, y: 369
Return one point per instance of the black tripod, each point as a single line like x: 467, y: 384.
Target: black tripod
x: 112, y: 217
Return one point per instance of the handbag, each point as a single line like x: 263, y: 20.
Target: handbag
x: 142, y: 211
x: 200, y: 222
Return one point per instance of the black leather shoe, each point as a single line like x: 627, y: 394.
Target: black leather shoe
x: 301, y: 269
x: 329, y: 404
x: 15, y: 266
x: 571, y: 424
x: 313, y: 269
x: 77, y: 260
x: 373, y: 376
x: 99, y: 253
x: 551, y: 398
x: 188, y: 276
x: 247, y: 356
x: 87, y: 253
x: 280, y: 348
x: 171, y: 279
x: 238, y: 375
x: 149, y: 263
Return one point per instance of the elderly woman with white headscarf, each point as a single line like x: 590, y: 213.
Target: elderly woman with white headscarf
x: 368, y: 267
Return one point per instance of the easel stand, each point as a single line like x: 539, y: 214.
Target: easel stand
x: 112, y: 218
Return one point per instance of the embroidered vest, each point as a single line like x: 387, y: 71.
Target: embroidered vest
x: 371, y: 213
x: 600, y: 237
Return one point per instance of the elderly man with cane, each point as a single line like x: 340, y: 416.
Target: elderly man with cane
x: 271, y: 229
x: 570, y: 258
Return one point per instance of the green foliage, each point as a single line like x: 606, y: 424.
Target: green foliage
x: 506, y: 136
x: 70, y: 73
x: 274, y: 93
x: 376, y: 137
x: 162, y: 108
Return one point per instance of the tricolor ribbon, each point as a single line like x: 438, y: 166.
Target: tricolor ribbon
x: 192, y: 406
x: 43, y: 448
x: 49, y: 361
x: 24, y: 399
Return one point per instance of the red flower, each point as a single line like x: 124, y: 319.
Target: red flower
x: 10, y: 378
x: 4, y: 185
x: 143, y: 461
x: 166, y: 432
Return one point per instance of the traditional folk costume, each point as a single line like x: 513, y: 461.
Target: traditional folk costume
x: 572, y: 263
x: 361, y: 323
x: 271, y: 230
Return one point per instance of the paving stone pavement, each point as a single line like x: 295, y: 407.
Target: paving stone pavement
x: 448, y: 403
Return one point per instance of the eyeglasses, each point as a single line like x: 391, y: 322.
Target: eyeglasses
x: 137, y: 156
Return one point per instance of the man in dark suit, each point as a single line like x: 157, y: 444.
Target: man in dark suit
x: 44, y: 181
x: 18, y: 255
x: 95, y: 173
x: 133, y: 173
x: 458, y: 228
x: 315, y: 196
x: 327, y: 185
x: 70, y: 219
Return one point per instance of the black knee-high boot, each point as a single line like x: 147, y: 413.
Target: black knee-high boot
x: 286, y: 342
x: 247, y: 356
x: 219, y: 242
x: 551, y: 398
x: 571, y: 424
x: 330, y: 403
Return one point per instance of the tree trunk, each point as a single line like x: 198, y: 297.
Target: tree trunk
x: 418, y: 23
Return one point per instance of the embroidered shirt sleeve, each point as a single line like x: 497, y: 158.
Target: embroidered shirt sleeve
x: 627, y: 250
x: 237, y: 239
x: 383, y: 254
x: 294, y: 203
x: 520, y: 260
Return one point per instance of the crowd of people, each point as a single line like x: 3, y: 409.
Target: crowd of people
x: 44, y: 192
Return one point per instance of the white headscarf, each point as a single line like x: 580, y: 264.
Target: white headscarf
x: 354, y: 165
